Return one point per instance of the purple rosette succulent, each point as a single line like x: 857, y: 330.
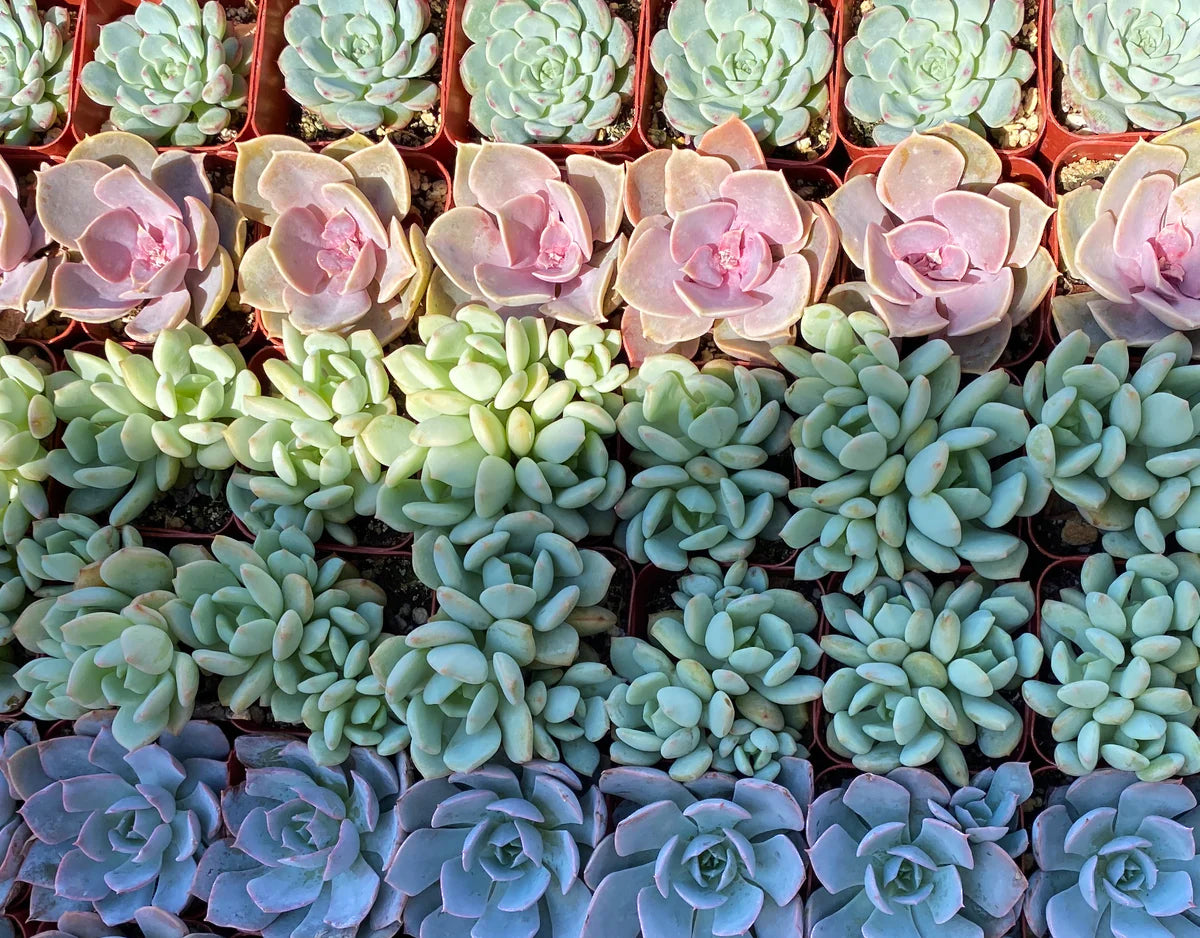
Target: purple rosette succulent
x: 14, y: 832
x: 24, y: 269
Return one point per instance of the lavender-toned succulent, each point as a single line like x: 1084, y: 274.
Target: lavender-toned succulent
x: 1115, y: 856
x: 338, y: 257
x: 24, y: 264
x: 945, y: 247
x: 151, y: 923
x: 174, y: 73
x: 721, y: 246
x: 713, y: 857
x: 497, y: 851
x: 1128, y: 66
x: 545, y: 71
x: 766, y: 63
x: 309, y: 845
x: 115, y: 831
x: 915, y: 65
x: 1133, y: 244
x: 36, y: 53
x: 14, y: 832
x: 893, y: 859
x: 144, y: 235
x: 527, y: 237
x: 360, y: 66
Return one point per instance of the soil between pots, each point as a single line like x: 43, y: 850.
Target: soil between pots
x: 186, y: 508
x: 409, y: 602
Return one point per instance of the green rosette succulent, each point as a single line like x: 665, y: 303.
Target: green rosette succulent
x: 505, y: 417
x: 316, y: 446
x: 1123, y: 657
x: 58, y: 549
x: 139, y: 425
x: 703, y: 439
x: 27, y: 420
x: 360, y: 66
x: 513, y: 605
x: 13, y: 598
x: 924, y: 672
x: 36, y: 52
x: 1121, y: 444
x: 286, y: 631
x: 545, y: 71
x: 107, y: 643
x: 766, y: 63
x: 171, y: 72
x: 910, y: 471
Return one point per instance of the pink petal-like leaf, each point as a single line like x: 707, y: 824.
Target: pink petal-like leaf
x: 503, y: 171
x: 8, y: 182
x: 295, y: 241
x: 784, y: 296
x: 703, y: 224
x: 180, y: 174
x: 644, y: 281
x: 979, y: 352
x: 19, y: 285
x: 1027, y: 220
x: 107, y: 245
x: 821, y: 252
x: 202, y: 231
x: 855, y: 207
x: 461, y: 239
x: 1098, y: 263
x: 344, y: 197
x: 920, y: 317
x: 399, y: 266
x: 337, y: 311
x: 1142, y: 160
x: 166, y: 312
x: 1143, y: 216
x: 521, y: 222
x: 123, y: 188
x: 296, y: 178
x: 15, y: 236
x: 692, y: 179
x: 916, y: 172
x: 209, y: 288
x: 600, y: 186
x: 978, y: 225
x: 570, y: 209
x: 66, y: 201
x: 882, y: 273
x: 79, y: 292
x: 638, y: 348
x: 765, y: 204
x: 916, y: 237
x: 734, y: 142
x: 646, y: 186
x: 726, y: 299
x: 978, y: 307
x: 507, y: 287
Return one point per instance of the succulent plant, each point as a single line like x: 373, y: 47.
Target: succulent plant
x: 1128, y: 65
x: 27, y: 420
x: 1123, y: 658
x: 906, y: 466
x: 924, y: 672
x: 1118, y: 442
x: 528, y: 238
x: 107, y: 643
x: 703, y: 439
x: 520, y: 596
x: 766, y: 63
x: 891, y: 859
x: 286, y: 631
x: 507, y: 417
x: 58, y: 548
x: 714, y: 857
x: 989, y: 808
x: 24, y: 266
x: 36, y: 51
x: 115, y: 831
x: 1115, y: 856
x: 1131, y: 243
x: 139, y: 425
x: 14, y: 832
x: 144, y: 235
x: 360, y: 66
x: 151, y: 923
x: 310, y: 845
x: 174, y: 74
x: 719, y: 245
x: 338, y: 257
x: 539, y: 71
x: 915, y: 64
x: 316, y: 446
x: 497, y: 851
x: 946, y: 249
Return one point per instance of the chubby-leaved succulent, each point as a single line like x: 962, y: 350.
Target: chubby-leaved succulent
x: 27, y: 422
x: 36, y: 53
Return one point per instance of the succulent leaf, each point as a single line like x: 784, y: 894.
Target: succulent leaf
x: 36, y: 52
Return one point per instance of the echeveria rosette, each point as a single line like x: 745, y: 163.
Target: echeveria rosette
x: 1123, y: 654
x: 545, y: 71
x: 361, y: 66
x: 924, y: 672
x: 766, y: 63
x: 151, y: 923
x: 143, y: 233
x: 498, y: 851
x: 712, y: 857
x: 36, y: 53
x: 1128, y: 66
x: 14, y: 832
x: 24, y: 265
x: 338, y: 257
x: 115, y: 831
x: 945, y: 247
x: 27, y: 421
x: 175, y: 74
x: 721, y: 245
x: 989, y: 807
x: 309, y: 846
x: 528, y: 238
x: 58, y: 548
x: 1115, y: 856
x: 915, y: 65
x: 1134, y: 244
x: 893, y: 862
x: 908, y: 471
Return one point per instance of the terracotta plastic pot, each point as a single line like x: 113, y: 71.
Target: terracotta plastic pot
x: 456, y: 102
x: 654, y: 18
x: 274, y: 111
x: 63, y: 141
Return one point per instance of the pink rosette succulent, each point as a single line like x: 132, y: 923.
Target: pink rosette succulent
x: 1134, y: 242
x: 721, y: 244
x: 144, y: 235
x: 24, y: 284
x: 338, y: 257
x: 946, y: 248
x: 527, y: 238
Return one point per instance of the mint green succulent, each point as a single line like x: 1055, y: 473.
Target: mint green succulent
x: 924, y: 672
x: 27, y: 420
x: 58, y: 549
x: 13, y: 598
x: 315, y: 448
x: 506, y: 416
x: 36, y: 52
x: 703, y: 439
x: 909, y: 471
